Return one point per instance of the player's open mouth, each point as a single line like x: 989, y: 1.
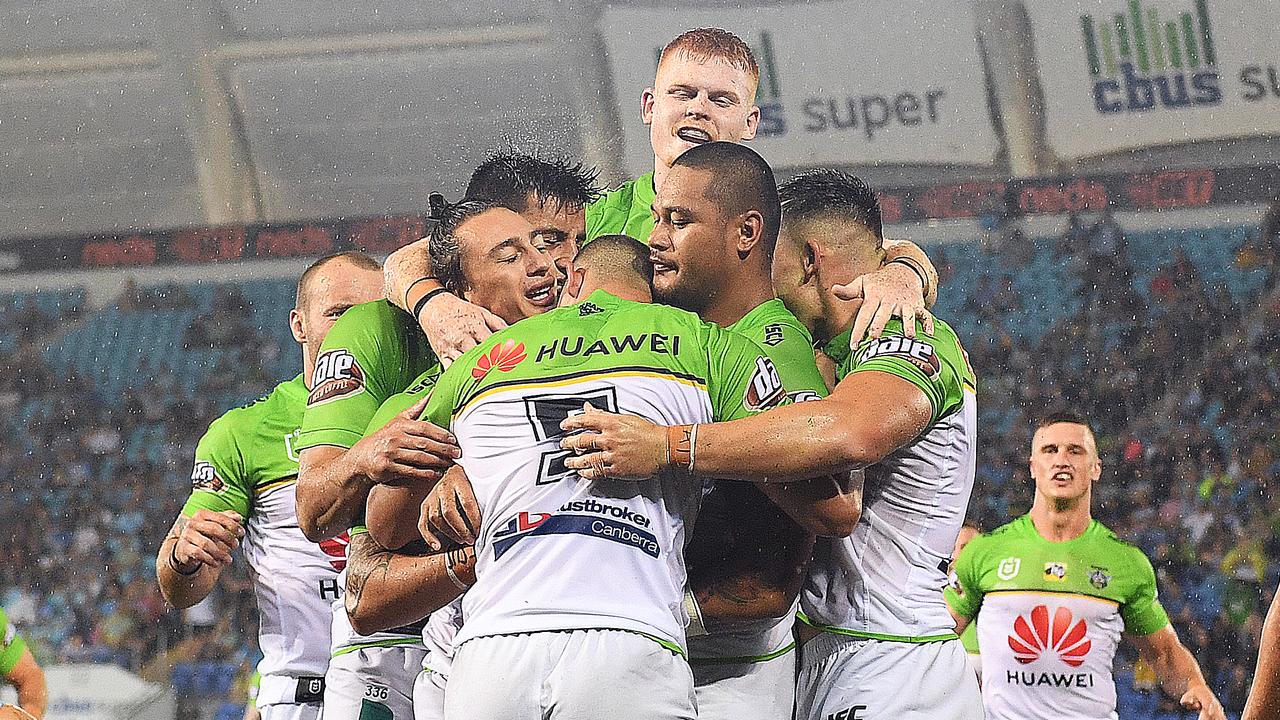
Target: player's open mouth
x: 660, y: 267
x: 694, y: 135
x: 544, y: 295
x: 1064, y: 476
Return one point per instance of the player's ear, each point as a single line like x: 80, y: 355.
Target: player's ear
x: 575, y: 278
x: 750, y: 231
x: 753, y: 123
x: 646, y: 106
x: 809, y: 261
x: 296, y: 327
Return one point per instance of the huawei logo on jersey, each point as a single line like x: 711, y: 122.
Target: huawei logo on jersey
x: 504, y: 357
x: 336, y: 549
x: 1031, y: 639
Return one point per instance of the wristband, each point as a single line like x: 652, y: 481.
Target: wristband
x: 448, y: 569
x: 697, y: 626
x: 422, y: 301
x: 680, y: 440
x: 924, y: 281
x: 414, y: 284
x: 177, y: 566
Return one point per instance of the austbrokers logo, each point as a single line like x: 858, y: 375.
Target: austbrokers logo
x: 1031, y: 639
x: 1140, y: 61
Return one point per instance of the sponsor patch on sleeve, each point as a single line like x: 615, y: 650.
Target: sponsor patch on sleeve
x: 205, y: 477
x: 765, y: 389
x: 917, y: 352
x: 338, y: 375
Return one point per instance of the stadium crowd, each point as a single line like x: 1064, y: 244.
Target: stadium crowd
x: 1187, y: 483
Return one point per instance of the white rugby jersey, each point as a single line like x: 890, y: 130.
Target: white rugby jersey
x: 556, y: 552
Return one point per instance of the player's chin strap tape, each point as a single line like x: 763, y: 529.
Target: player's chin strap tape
x: 682, y: 441
x: 697, y: 626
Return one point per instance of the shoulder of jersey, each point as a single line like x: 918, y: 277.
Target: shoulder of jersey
x: 1107, y: 534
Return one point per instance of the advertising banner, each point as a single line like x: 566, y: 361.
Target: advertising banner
x: 1121, y: 74
x: 846, y: 83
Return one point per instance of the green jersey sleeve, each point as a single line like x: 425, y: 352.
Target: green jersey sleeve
x: 400, y: 402
x: 964, y: 594
x: 742, y: 380
x: 374, y: 351
x: 625, y: 210
x: 936, y: 364
x: 11, y: 645
x: 219, y: 479
x: 1141, y: 611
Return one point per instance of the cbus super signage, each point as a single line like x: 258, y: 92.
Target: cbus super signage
x: 865, y: 94
x: 1130, y: 73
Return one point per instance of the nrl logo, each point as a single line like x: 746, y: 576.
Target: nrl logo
x: 1099, y: 578
x: 1009, y: 568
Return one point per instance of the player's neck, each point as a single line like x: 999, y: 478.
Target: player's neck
x: 1060, y: 520
x: 659, y: 173
x: 308, y: 367
x: 740, y: 296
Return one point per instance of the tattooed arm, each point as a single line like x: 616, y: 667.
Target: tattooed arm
x: 391, y: 588
x: 193, y: 554
x: 746, y: 559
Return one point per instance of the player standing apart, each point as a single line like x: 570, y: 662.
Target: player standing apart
x: 244, y: 486
x: 1264, y: 698
x: 1053, y: 590
x: 19, y: 668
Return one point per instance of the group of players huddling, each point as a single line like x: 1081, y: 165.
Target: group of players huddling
x: 692, y: 448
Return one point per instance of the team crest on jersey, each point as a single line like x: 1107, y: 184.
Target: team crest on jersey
x: 338, y: 375
x: 205, y: 477
x: 773, y: 334
x: 765, y: 389
x: 504, y: 357
x: 336, y: 549
x: 1099, y: 578
x: 588, y: 308
x: 1033, y: 636
x: 916, y: 352
x: 1008, y: 568
x: 1055, y: 572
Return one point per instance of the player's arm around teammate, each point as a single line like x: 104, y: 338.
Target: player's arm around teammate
x: 19, y: 668
x: 387, y: 589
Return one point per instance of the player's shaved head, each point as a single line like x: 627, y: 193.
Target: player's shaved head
x: 355, y: 259
x: 831, y: 194
x: 714, y: 44
x: 618, y: 264
x: 743, y: 182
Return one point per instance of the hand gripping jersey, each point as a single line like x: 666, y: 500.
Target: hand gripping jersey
x: 1049, y: 617
x: 11, y: 645
x: 626, y: 210
x: 248, y: 462
x: 556, y: 552
x: 374, y: 363
x: 788, y: 344
x: 885, y: 581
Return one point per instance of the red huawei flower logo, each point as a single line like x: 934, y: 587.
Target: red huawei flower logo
x: 504, y: 357
x: 336, y: 549
x: 1030, y: 640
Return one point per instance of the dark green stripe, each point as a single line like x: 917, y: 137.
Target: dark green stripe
x: 1139, y: 36
x: 1090, y: 44
x: 1122, y: 35
x: 1189, y: 33
x: 1175, y: 52
x: 771, y: 70
x: 1206, y: 33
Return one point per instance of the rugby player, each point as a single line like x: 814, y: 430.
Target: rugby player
x: 904, y: 410
x: 19, y: 668
x: 589, y: 575
x: 1053, y: 590
x: 969, y: 635
x: 1264, y: 698
x: 244, y: 486
x: 550, y: 193
x: 371, y: 407
x: 704, y: 91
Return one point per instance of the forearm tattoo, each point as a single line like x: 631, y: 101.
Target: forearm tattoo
x: 365, y: 558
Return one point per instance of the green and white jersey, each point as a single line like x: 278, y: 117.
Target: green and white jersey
x: 11, y: 645
x: 626, y: 210
x: 1049, y: 617
x: 885, y: 580
x: 374, y: 351
x: 248, y: 462
x: 556, y: 552
x: 789, y: 345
